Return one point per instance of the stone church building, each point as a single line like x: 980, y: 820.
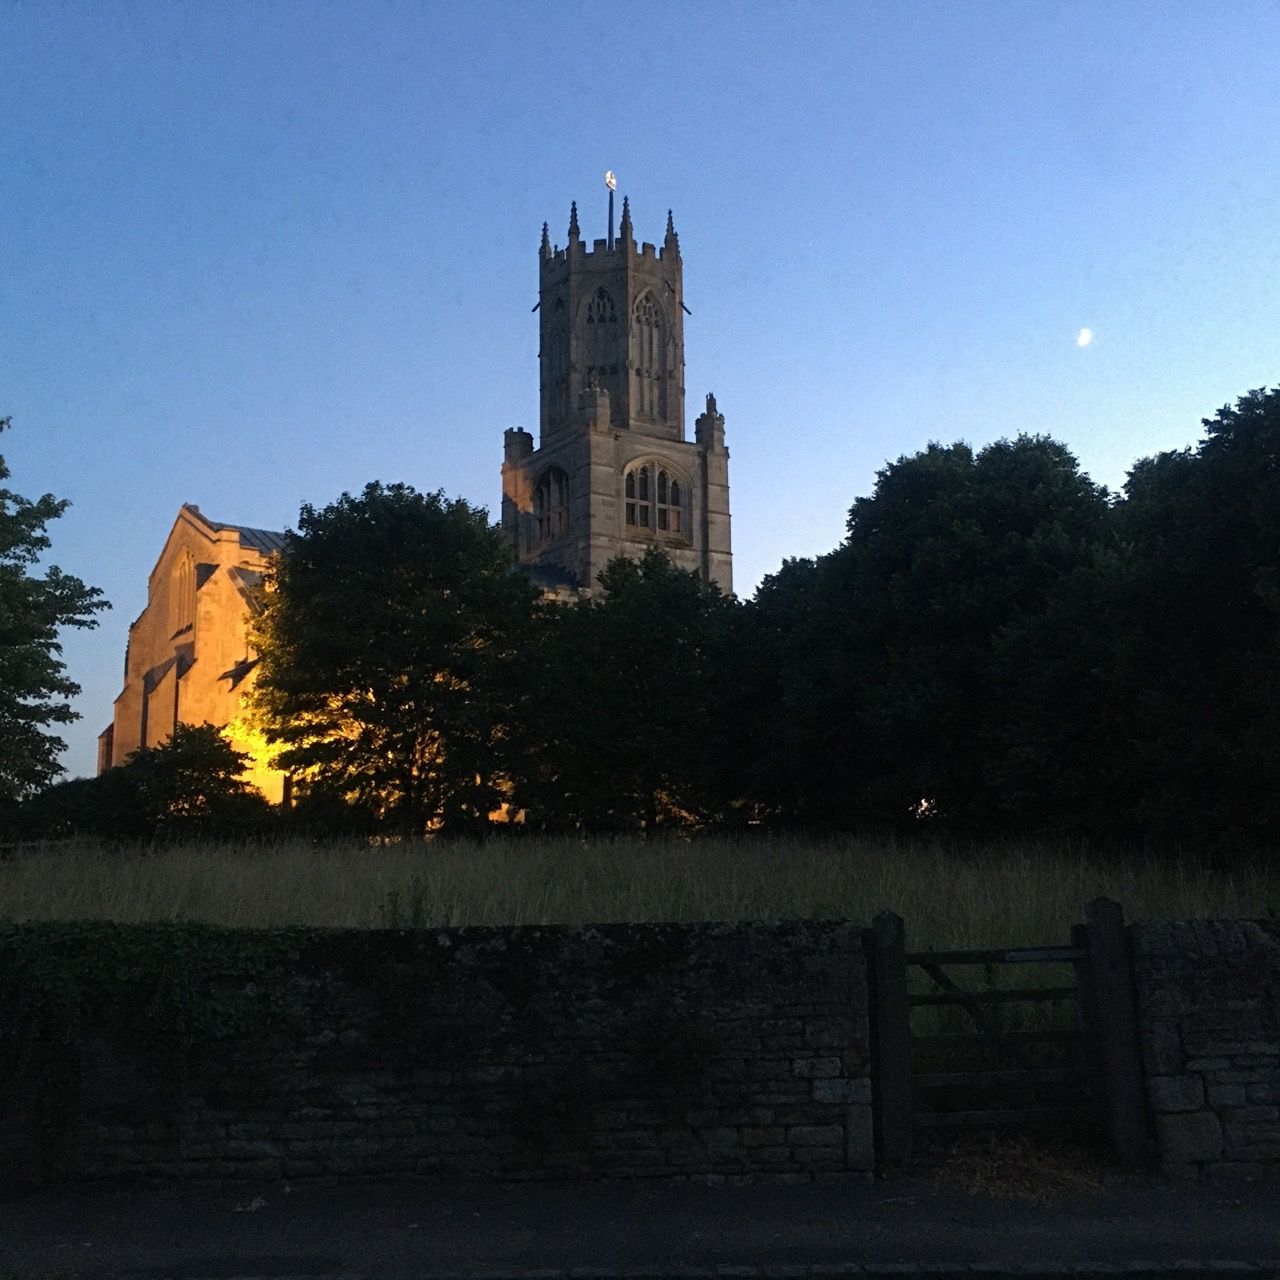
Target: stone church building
x: 188, y: 659
x: 612, y: 474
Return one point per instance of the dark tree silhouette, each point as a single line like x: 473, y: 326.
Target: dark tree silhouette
x: 388, y: 632
x: 34, y: 688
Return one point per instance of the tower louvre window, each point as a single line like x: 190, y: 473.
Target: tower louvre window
x: 602, y: 338
x: 551, y: 505
x: 653, y: 499
x: 555, y: 362
x: 649, y: 357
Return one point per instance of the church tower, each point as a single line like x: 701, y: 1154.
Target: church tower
x: 613, y: 473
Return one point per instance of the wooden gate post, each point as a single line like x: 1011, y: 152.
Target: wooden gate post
x: 891, y: 1062
x: 1115, y: 1033
x: 1090, y: 1044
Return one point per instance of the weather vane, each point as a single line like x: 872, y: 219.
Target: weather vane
x: 610, y: 181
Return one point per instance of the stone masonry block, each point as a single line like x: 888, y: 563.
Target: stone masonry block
x: 780, y: 1095
x: 1227, y: 1095
x: 1162, y: 1048
x: 838, y: 1091
x: 830, y: 1033
x: 726, y: 1069
x: 763, y: 1136
x: 772, y: 1155
x: 1176, y: 1093
x: 824, y: 1135
x: 1253, y: 1115
x: 819, y: 1157
x: 768, y: 1069
x: 722, y: 1137
x: 1269, y: 1151
x: 806, y: 1113
x: 1188, y: 1136
x: 817, y: 1068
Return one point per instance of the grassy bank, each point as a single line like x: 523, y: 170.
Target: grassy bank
x: 980, y: 897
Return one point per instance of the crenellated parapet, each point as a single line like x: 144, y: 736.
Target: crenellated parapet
x: 623, y: 246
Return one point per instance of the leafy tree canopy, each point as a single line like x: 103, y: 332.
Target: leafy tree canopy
x: 627, y: 694
x: 1202, y: 692
x: 191, y: 786
x: 34, y: 687
x: 898, y: 673
x: 387, y: 634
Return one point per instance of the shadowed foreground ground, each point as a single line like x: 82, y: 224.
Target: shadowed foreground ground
x: 422, y: 1229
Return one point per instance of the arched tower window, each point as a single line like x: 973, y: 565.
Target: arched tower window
x: 653, y: 498
x: 551, y: 505
x: 603, y: 349
x: 600, y: 339
x: 182, y: 594
x: 555, y: 362
x: 649, y: 358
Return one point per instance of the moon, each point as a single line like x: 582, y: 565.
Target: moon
x: 1084, y: 337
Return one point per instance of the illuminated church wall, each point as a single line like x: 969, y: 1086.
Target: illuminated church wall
x: 188, y: 659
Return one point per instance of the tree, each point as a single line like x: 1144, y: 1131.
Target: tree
x: 629, y: 692
x: 898, y: 700
x: 1203, y: 618
x: 189, y: 787
x: 791, y: 747
x: 387, y: 637
x: 34, y: 686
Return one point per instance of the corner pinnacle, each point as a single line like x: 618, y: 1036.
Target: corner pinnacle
x: 574, y: 233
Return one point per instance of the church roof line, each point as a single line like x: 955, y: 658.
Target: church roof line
x: 267, y: 541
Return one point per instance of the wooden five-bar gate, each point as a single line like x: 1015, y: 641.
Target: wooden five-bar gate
x: 1078, y: 1069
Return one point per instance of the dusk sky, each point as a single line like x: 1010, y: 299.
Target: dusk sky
x: 254, y: 255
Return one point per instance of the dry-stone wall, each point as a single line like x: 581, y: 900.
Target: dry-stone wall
x: 1209, y: 1010
x: 717, y: 1052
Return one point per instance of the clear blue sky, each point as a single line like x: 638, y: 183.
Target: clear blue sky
x: 253, y: 255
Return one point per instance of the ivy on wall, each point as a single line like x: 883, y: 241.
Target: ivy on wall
x: 175, y: 988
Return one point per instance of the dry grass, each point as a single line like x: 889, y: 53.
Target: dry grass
x: 1000, y: 895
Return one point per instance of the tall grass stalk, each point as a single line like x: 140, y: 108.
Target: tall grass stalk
x: 983, y: 896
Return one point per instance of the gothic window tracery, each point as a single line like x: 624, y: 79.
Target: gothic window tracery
x: 551, y: 505
x: 600, y: 310
x: 556, y: 356
x: 649, y: 357
x: 602, y: 346
x: 182, y: 594
x: 653, y: 498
